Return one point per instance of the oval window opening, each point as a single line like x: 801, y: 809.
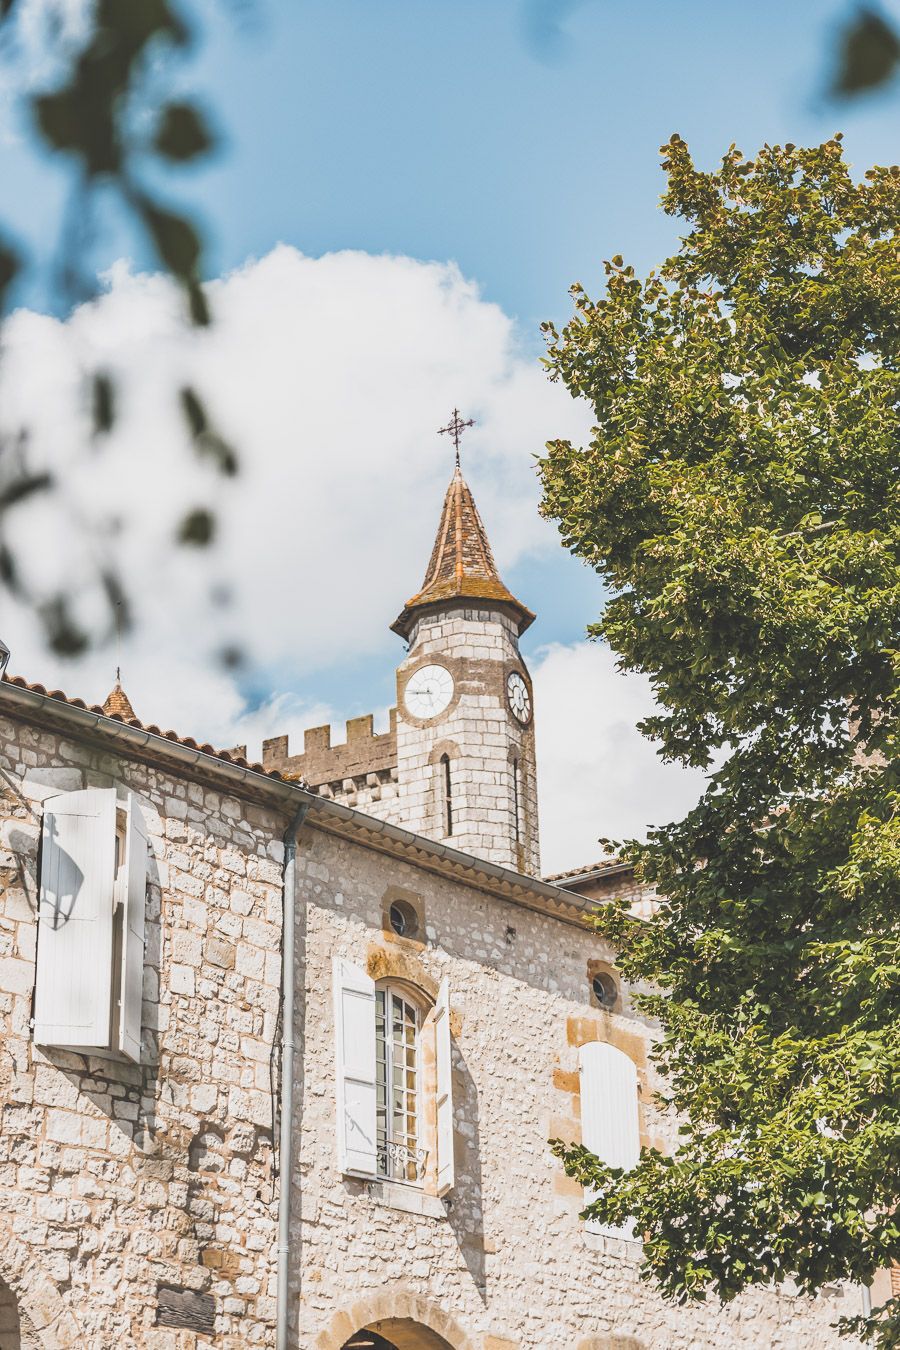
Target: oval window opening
x: 403, y: 919
x: 605, y: 990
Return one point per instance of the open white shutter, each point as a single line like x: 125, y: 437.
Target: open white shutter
x: 354, y: 1023
x: 444, y: 1089
x: 75, y: 920
x: 134, y: 895
x: 609, y: 1115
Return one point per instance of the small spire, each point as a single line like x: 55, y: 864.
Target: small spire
x: 117, y: 703
x: 462, y: 565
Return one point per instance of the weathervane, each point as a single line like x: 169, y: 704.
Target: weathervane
x: 455, y: 428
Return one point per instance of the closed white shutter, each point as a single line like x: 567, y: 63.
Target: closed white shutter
x: 75, y: 920
x: 609, y: 1115
x: 134, y: 895
x: 444, y: 1089
x: 354, y: 1023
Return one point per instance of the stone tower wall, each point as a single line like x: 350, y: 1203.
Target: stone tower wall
x: 479, y: 734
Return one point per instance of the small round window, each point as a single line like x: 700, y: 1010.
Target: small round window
x: 604, y: 989
x: 403, y: 919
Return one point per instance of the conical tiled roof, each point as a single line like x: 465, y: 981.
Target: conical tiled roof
x: 462, y: 565
x: 118, y: 704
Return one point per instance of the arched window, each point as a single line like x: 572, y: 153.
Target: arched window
x: 384, y: 1127
x: 610, y: 1122
x: 399, y: 1155
x: 446, y: 794
x: 517, y: 800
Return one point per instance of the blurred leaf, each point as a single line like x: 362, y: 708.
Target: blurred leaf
x: 232, y: 657
x: 142, y: 21
x: 10, y: 262
x: 197, y: 528
x: 182, y: 134
x: 104, y: 404
x: 59, y: 119
x: 869, y: 52
x: 176, y: 240
x: 224, y: 455
x: 9, y: 573
x: 198, y: 305
x: 23, y: 487
x: 194, y: 411
x: 64, y: 635
x: 206, y: 439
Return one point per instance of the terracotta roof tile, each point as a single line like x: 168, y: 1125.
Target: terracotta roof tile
x: 132, y: 721
x: 462, y: 565
x: 118, y: 703
x: 560, y: 878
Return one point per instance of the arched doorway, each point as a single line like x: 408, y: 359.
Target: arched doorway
x: 16, y: 1329
x: 396, y: 1333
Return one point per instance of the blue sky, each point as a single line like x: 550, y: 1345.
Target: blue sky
x: 517, y: 139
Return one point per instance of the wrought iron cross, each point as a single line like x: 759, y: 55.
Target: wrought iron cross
x: 455, y: 428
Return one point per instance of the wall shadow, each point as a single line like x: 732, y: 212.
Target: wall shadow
x: 465, y: 1211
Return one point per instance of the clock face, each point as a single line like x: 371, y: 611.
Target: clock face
x: 428, y: 691
x: 519, y: 698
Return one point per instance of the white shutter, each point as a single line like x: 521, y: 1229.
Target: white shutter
x: 75, y: 920
x: 444, y: 1089
x: 609, y: 1115
x: 134, y: 896
x: 354, y: 1023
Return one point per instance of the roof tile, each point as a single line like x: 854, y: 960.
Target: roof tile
x: 462, y: 565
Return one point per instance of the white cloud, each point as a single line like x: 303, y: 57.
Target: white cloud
x: 331, y: 376
x: 598, y: 777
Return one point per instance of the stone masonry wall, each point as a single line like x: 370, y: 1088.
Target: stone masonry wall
x: 360, y: 772
x: 126, y: 1186
x: 507, y: 1262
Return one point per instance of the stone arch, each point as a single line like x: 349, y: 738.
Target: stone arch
x: 42, y: 1313
x: 391, y: 963
x: 408, y: 1320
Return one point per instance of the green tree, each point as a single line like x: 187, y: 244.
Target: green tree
x: 741, y: 497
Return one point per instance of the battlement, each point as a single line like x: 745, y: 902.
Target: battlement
x: 365, y: 760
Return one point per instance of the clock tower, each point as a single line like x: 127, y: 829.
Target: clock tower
x: 465, y: 725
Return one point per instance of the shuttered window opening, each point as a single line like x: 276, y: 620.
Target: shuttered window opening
x: 399, y: 1156
x: 382, y: 1117
x: 610, y: 1125
x: 90, y: 949
x: 444, y: 1090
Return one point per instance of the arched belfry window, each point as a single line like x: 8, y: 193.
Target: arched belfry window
x: 517, y: 800
x: 446, y: 794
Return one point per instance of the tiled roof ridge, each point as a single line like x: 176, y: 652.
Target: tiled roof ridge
x: 554, y: 878
x: 461, y: 564
x: 150, y: 727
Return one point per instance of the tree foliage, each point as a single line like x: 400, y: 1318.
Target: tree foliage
x: 741, y: 497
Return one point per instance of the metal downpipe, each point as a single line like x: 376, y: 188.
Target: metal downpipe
x: 285, y: 1144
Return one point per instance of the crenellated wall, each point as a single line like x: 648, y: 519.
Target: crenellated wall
x: 360, y: 772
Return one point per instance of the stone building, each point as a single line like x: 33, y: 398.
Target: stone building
x: 181, y: 1165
